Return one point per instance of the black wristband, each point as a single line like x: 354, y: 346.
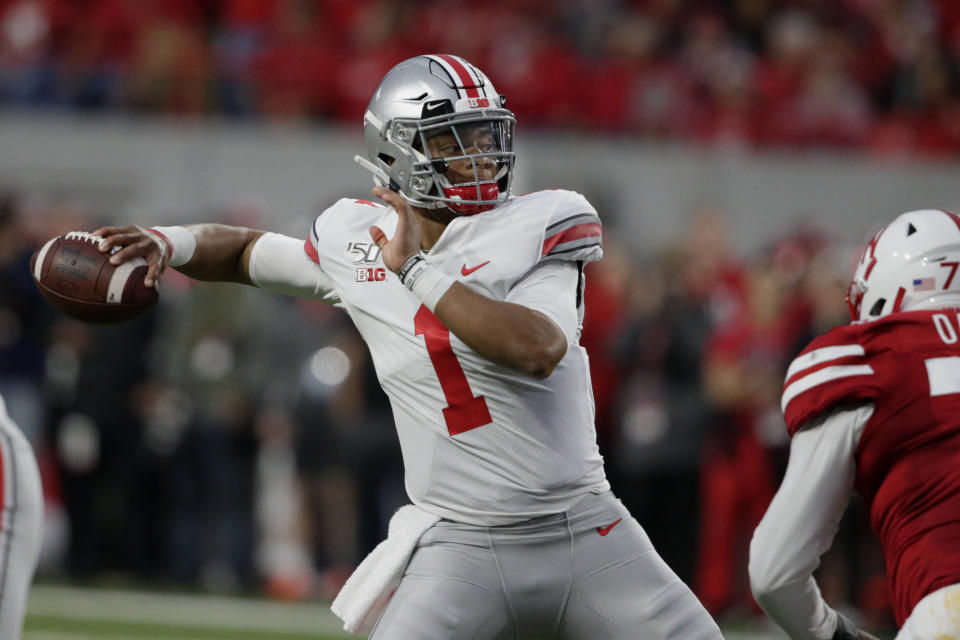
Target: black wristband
x: 411, y: 262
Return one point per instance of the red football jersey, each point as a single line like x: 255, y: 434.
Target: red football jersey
x: 908, y: 456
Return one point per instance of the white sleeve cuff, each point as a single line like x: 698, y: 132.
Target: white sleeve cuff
x: 428, y: 283
x: 179, y: 241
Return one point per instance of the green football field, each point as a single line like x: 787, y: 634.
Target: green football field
x: 76, y: 613
x: 72, y: 613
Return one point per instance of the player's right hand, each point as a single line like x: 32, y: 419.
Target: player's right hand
x: 406, y: 238
x: 136, y: 242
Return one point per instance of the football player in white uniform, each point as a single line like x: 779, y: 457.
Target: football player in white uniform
x: 21, y: 524
x: 471, y: 301
x: 874, y: 406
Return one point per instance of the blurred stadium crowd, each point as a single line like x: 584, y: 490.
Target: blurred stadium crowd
x: 880, y: 75
x: 234, y: 439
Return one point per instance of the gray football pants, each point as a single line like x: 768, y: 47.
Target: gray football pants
x: 588, y: 574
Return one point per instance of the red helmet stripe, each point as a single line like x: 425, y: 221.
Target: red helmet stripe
x: 954, y: 217
x: 871, y: 249
x: 899, y: 301
x: 467, y: 79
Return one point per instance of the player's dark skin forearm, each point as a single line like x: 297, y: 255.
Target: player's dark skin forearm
x: 223, y: 253
x: 509, y: 334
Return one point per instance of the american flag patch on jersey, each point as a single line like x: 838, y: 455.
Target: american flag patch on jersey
x: 924, y: 284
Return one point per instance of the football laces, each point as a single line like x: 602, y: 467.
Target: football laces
x: 85, y: 236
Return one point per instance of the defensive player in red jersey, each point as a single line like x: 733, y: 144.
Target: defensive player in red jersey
x: 471, y: 302
x: 874, y: 406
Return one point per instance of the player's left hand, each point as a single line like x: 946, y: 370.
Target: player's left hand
x: 135, y: 242
x: 406, y: 241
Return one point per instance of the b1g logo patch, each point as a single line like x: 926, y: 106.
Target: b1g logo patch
x: 363, y: 252
x: 473, y: 103
x: 371, y: 274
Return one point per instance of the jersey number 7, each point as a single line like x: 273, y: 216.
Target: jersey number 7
x: 464, y: 411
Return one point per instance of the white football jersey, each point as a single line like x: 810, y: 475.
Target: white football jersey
x: 481, y: 443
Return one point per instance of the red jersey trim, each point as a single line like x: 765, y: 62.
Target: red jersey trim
x: 586, y: 230
x: 311, y: 251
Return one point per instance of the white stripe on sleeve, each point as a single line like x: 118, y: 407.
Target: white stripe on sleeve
x: 820, y: 377
x: 824, y: 354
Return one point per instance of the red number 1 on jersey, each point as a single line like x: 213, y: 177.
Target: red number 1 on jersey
x: 464, y: 411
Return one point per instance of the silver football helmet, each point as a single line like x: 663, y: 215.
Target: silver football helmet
x: 437, y: 132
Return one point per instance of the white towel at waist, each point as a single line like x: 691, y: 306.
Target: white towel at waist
x: 366, y: 593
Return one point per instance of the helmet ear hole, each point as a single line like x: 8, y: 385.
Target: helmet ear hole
x: 911, y: 229
x: 387, y: 160
x: 877, y: 307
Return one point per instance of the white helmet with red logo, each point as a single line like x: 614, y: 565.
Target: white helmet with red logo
x: 910, y: 264
x: 431, y: 95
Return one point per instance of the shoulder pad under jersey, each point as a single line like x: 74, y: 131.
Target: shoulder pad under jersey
x: 352, y: 211
x: 571, y: 227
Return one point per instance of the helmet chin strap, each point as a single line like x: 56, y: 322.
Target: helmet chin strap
x: 372, y: 168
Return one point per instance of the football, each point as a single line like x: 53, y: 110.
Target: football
x: 76, y: 278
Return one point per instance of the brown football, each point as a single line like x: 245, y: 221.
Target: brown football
x: 76, y: 278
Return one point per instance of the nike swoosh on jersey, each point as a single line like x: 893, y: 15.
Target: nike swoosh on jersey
x: 605, y: 530
x: 465, y: 271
